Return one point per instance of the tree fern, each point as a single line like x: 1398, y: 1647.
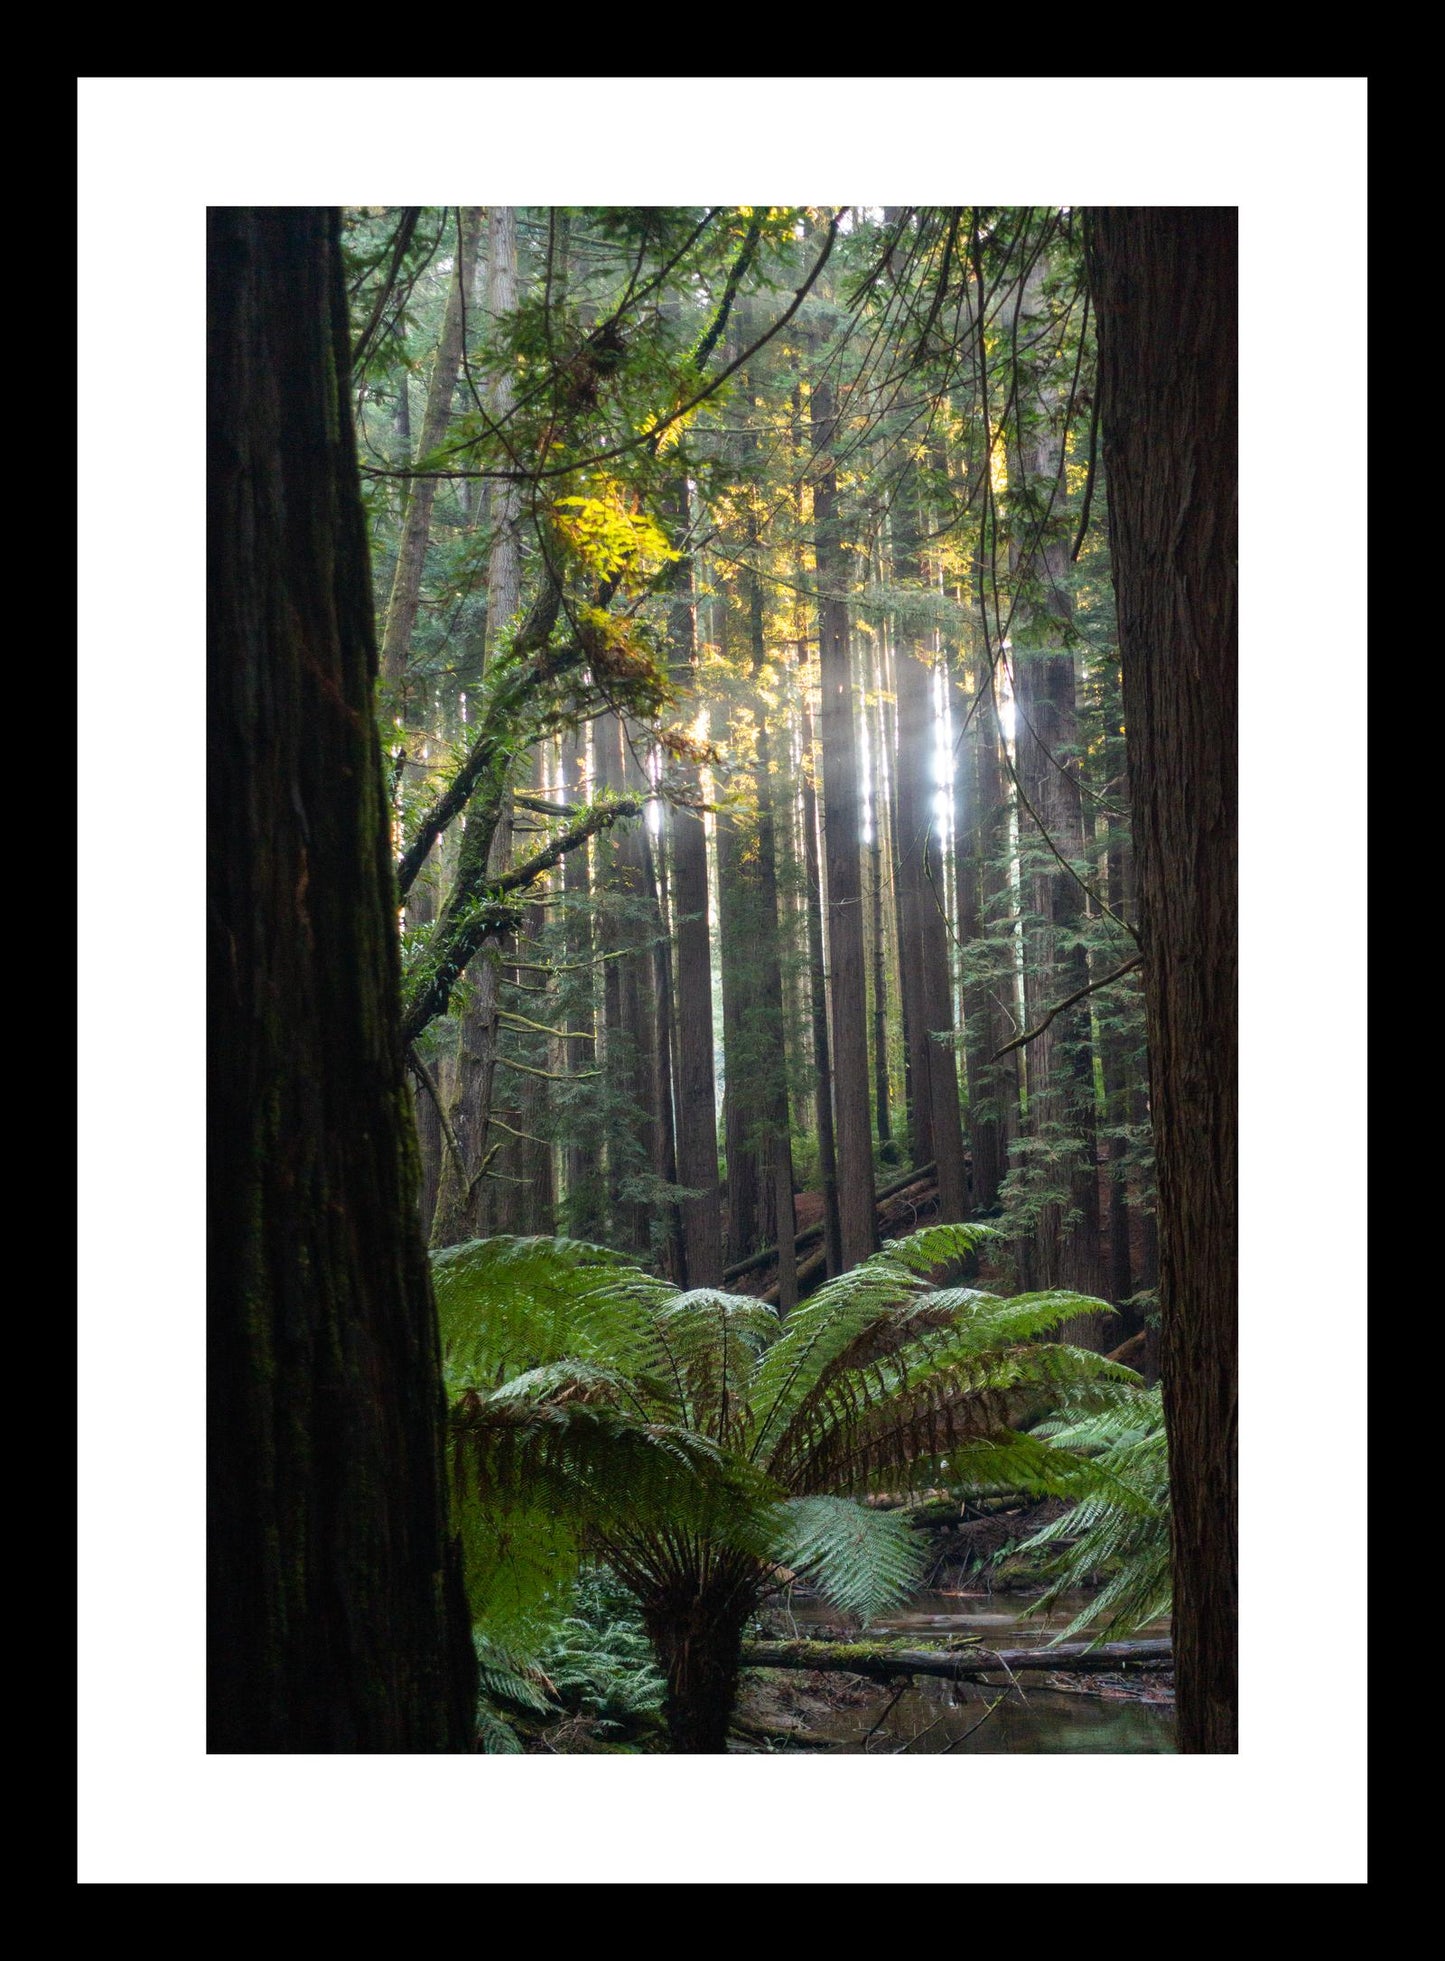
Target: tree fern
x: 698, y: 1444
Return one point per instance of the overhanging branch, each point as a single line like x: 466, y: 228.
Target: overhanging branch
x: 492, y: 908
x: 1032, y: 1034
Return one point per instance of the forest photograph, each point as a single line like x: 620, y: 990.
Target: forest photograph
x: 720, y: 1042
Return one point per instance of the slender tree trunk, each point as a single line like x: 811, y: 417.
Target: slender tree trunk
x: 421, y: 911
x: 1063, y: 1249
x: 934, y: 1071
x: 905, y: 927
x: 697, y: 1165
x: 773, y: 1074
x: 586, y: 1197
x: 877, y: 950
x: 989, y: 969
x: 629, y: 1022
x: 817, y: 977
x: 336, y: 1617
x: 848, y: 1021
x: 1165, y: 283
x: 738, y: 926
x: 664, y: 1149
x: 474, y: 1196
x: 411, y: 551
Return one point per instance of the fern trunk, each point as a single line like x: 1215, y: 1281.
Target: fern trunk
x: 697, y: 1636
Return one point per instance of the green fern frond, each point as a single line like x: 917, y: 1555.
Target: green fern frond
x: 505, y: 1675
x: 1122, y: 1523
x: 935, y: 1246
x: 862, y: 1561
x: 909, y: 1390
x: 506, y: 1305
x: 497, y: 1737
x: 712, y: 1342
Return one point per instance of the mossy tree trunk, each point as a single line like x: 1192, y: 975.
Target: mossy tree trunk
x: 336, y: 1616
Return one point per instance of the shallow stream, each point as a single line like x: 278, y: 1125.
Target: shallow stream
x: 1026, y: 1717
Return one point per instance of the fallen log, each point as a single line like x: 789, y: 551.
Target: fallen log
x: 810, y: 1233
x: 970, y: 1664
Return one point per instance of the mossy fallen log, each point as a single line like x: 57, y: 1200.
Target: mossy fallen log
x: 964, y: 1664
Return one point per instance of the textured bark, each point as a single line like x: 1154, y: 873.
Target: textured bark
x: 336, y: 1618
x: 696, y: 1632
x: 987, y: 960
x: 1113, y: 1063
x: 401, y: 607
x: 818, y: 996
x: 1165, y: 286
x: 877, y: 947
x: 848, y: 1023
x: 934, y: 1072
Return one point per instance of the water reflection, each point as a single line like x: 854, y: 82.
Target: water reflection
x: 966, y: 1719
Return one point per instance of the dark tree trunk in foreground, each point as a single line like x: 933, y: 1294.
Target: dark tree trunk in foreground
x: 336, y: 1618
x: 1165, y: 284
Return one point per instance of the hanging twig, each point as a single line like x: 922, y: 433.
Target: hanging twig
x: 1031, y: 1034
x: 974, y: 1726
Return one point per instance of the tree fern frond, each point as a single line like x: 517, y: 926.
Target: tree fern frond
x: 497, y: 1738
x: 509, y: 1304
x: 505, y: 1675
x: 712, y: 1342
x: 935, y: 1246
x: 922, y: 1399
x: 862, y: 1561
x: 1124, y: 1522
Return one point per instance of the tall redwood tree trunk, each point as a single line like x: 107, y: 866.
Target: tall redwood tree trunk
x: 336, y: 1617
x: 853, y: 1136
x: 1166, y: 287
